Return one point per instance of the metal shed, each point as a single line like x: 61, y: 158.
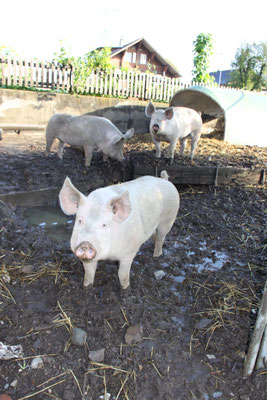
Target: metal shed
x: 244, y: 113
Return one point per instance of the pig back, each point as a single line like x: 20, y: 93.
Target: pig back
x: 154, y: 201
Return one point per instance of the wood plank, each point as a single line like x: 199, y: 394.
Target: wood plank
x: 204, y: 175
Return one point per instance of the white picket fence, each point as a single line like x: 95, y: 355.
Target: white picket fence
x: 44, y: 75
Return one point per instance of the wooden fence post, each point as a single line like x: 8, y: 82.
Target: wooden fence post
x: 258, y: 347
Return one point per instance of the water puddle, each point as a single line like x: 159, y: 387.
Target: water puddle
x: 212, y: 264
x: 51, y: 218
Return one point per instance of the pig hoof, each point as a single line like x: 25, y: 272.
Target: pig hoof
x: 169, y: 161
x: 125, y: 292
x: 88, y: 288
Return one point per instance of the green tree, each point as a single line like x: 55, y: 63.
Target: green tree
x: 250, y: 67
x: 97, y: 60
x: 203, y: 46
x: 6, y: 51
x: 63, y: 56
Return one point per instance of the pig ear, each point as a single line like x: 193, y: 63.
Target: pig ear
x: 69, y: 198
x: 129, y: 134
x: 118, y: 139
x: 150, y: 109
x: 169, y: 113
x: 121, y: 207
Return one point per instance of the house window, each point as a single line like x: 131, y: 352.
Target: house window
x: 130, y: 57
x: 143, y: 59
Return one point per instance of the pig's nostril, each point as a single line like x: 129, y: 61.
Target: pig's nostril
x: 85, y: 251
x: 155, y: 128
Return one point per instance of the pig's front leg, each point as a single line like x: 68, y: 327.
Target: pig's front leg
x: 89, y: 273
x: 124, y: 272
x: 88, y: 152
x: 171, y: 150
x: 158, y: 149
x: 105, y: 157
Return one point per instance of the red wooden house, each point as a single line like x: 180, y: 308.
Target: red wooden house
x: 142, y: 56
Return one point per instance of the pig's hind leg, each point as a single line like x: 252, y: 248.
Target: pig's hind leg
x: 195, y: 136
x: 159, y: 236
x: 60, y: 149
x: 182, y: 145
x: 49, y: 142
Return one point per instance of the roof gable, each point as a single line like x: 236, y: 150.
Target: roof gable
x: 117, y: 50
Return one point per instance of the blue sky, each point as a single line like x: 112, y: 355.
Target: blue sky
x: 34, y: 29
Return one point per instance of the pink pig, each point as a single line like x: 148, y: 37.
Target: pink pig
x: 113, y: 222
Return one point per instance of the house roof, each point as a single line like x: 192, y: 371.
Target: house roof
x: 146, y: 45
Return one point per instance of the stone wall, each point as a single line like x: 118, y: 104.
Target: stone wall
x: 28, y: 107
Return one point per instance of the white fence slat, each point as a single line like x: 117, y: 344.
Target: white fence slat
x: 3, y: 71
x: 9, y: 71
x: 31, y: 77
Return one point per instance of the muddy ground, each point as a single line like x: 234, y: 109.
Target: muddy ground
x: 197, y: 319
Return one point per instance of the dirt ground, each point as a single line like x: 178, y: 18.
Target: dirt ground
x: 197, y: 320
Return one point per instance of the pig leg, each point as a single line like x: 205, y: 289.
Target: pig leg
x: 171, y: 150
x: 89, y: 273
x: 124, y: 271
x: 60, y: 149
x: 195, y: 135
x: 105, y: 157
x: 160, y: 235
x: 182, y: 143
x: 49, y: 142
x: 158, y: 149
x: 88, y: 151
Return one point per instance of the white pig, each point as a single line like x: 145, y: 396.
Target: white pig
x: 175, y: 123
x: 87, y: 131
x: 112, y: 222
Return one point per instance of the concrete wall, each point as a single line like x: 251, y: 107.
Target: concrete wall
x: 27, y: 107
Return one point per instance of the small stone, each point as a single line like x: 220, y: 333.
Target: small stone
x: 105, y: 397
x: 203, y: 323
x: 134, y: 334
x: 97, y: 355
x: 78, y: 337
x: 216, y: 395
x: 37, y: 344
x: 37, y: 362
x: 210, y: 356
x: 14, y: 383
x: 27, y: 269
x: 68, y: 394
x: 159, y: 274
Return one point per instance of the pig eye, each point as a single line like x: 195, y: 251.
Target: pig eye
x: 80, y: 221
x: 104, y: 225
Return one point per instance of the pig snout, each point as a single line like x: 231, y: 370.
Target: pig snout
x: 155, y: 128
x: 85, y: 251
